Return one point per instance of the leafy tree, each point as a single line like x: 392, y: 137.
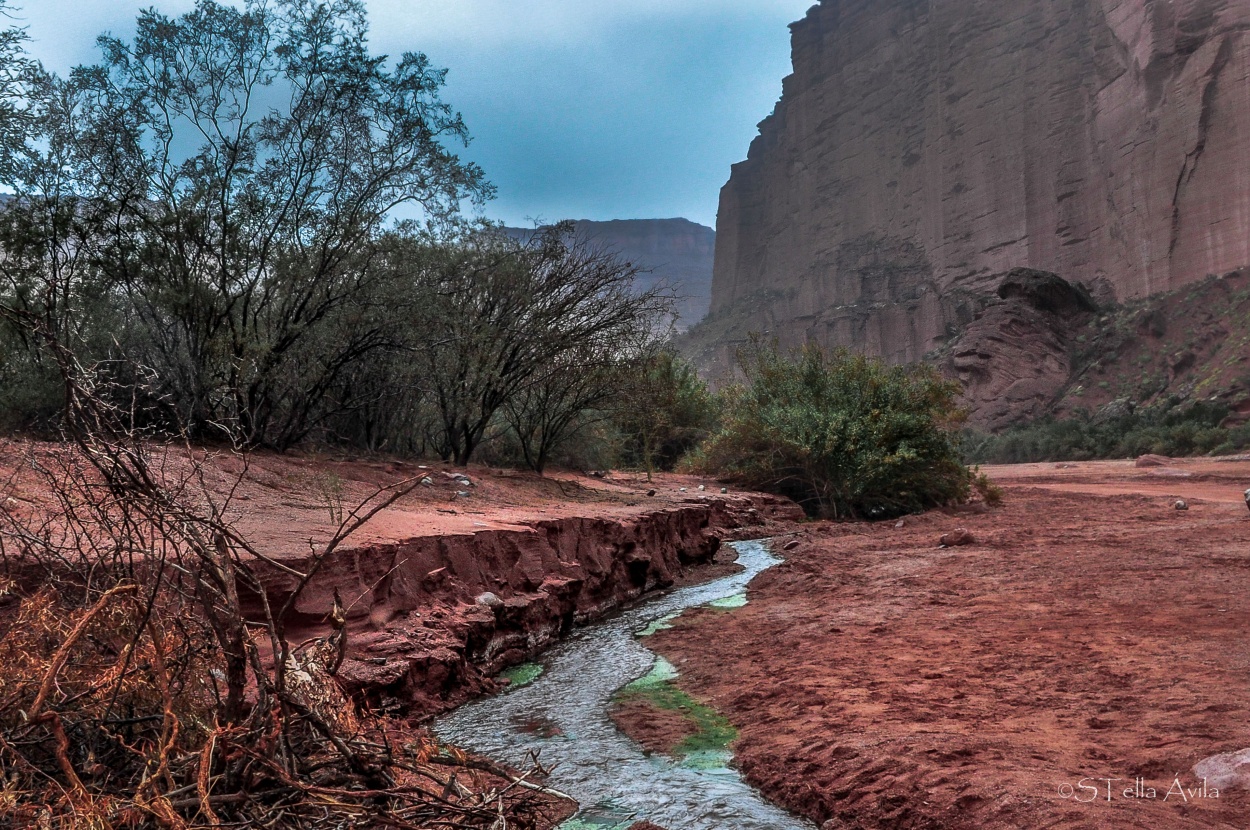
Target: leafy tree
x: 236, y: 166
x: 664, y: 410
x: 567, y: 398
x: 15, y: 66
x: 843, y: 434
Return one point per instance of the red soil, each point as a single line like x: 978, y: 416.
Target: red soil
x: 1091, y: 631
x: 455, y: 580
x: 657, y: 730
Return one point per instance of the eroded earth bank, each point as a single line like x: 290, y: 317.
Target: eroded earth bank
x: 1090, y: 631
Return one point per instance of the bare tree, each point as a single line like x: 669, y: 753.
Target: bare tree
x: 498, y: 318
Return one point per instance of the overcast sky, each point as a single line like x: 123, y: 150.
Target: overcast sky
x: 586, y: 109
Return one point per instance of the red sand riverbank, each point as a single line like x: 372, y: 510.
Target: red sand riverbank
x: 1091, y: 631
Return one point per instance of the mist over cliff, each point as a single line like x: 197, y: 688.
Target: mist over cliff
x: 673, y: 252
x: 922, y: 150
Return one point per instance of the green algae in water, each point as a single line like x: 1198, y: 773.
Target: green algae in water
x: 580, y: 822
x: 661, y: 673
x: 708, y: 760
x: 708, y: 747
x: 736, y: 601
x: 522, y: 675
x: 662, y: 624
x: 603, y: 816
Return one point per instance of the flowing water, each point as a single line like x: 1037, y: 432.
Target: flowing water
x: 563, y: 715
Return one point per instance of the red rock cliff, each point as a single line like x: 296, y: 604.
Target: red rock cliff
x: 922, y: 149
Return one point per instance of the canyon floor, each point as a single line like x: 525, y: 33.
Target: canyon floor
x: 1091, y: 631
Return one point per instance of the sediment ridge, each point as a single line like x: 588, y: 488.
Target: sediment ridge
x: 432, y: 618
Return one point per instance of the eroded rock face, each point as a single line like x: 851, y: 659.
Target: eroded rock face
x: 1013, y: 358
x: 922, y: 150
x: 430, y: 619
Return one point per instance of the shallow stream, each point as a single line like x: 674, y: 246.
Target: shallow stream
x: 563, y: 715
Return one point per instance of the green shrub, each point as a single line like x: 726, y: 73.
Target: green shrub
x: 1171, y: 428
x: 663, y: 411
x: 844, y: 435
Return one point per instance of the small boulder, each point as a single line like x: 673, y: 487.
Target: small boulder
x: 725, y: 490
x: 900, y: 524
x: 489, y: 600
x: 957, y: 538
x: 1181, y: 504
x: 1152, y: 461
x: 1248, y: 498
x: 462, y: 494
x: 1228, y: 771
x: 702, y: 487
x: 427, y: 482
x: 650, y: 492
x: 791, y: 545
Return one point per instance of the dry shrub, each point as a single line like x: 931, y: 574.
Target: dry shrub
x: 147, y: 680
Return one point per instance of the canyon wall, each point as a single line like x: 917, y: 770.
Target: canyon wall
x: 921, y: 150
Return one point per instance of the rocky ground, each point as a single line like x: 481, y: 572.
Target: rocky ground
x: 1090, y: 631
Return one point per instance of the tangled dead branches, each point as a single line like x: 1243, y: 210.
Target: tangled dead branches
x: 147, y: 676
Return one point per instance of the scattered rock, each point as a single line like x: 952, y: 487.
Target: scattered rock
x: 427, y: 482
x: 956, y: 538
x: 702, y: 487
x: 791, y: 545
x: 462, y: 494
x: 1117, y: 410
x: 1181, y: 504
x: 725, y: 490
x: 490, y: 600
x: 900, y: 524
x: 1153, y: 461
x: 1230, y: 770
x: 650, y: 492
x: 597, y: 473
x: 682, y: 489
x: 1248, y: 498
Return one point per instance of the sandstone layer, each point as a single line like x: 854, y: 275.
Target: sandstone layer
x: 470, y: 572
x: 920, y: 151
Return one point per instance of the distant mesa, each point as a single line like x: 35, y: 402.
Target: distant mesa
x: 921, y: 152
x: 673, y: 252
